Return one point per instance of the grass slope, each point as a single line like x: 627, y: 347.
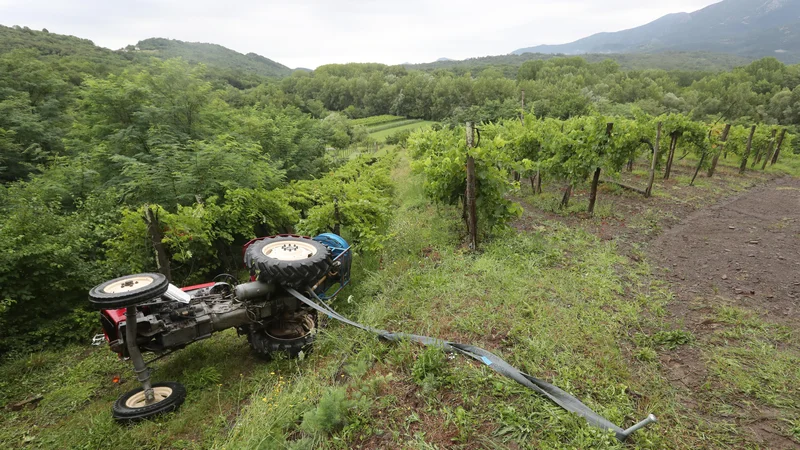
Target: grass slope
x: 554, y: 299
x: 410, y: 125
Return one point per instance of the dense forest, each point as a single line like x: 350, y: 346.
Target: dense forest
x: 509, y: 64
x: 91, y: 139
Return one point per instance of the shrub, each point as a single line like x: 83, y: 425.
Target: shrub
x: 330, y: 415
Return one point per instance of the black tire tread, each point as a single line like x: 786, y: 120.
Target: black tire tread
x: 104, y: 300
x: 295, y: 274
x: 124, y: 414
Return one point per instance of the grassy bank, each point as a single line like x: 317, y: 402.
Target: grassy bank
x: 557, y: 301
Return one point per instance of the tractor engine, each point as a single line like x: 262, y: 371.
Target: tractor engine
x: 172, y: 322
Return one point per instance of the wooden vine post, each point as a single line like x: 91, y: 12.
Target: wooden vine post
x: 470, y: 194
x: 538, y: 181
x: 702, y: 158
x: 743, y: 167
x: 768, y: 156
x: 157, y: 238
x: 596, y: 177
x: 516, y: 174
x: 760, y: 152
x: 337, y: 221
x: 649, y: 191
x: 778, y: 148
x: 722, y: 140
x: 567, y: 194
x: 673, y: 143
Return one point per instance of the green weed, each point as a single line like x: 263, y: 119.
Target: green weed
x: 430, y: 369
x: 672, y: 339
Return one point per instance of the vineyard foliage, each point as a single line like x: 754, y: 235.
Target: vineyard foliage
x: 441, y: 156
x: 569, y: 151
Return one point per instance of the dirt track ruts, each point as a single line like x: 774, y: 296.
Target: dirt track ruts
x: 742, y: 252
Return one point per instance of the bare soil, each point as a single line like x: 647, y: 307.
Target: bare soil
x: 746, y: 249
x: 741, y: 252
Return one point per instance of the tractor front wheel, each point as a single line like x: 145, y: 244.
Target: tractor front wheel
x: 132, y: 406
x: 128, y: 290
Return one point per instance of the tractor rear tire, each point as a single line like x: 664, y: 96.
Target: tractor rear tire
x: 130, y: 407
x: 128, y: 290
x: 265, y: 343
x: 293, y: 261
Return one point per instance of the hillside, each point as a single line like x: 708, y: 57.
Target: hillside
x: 83, y: 56
x: 747, y: 28
x: 210, y: 54
x: 74, y: 56
x: 693, y: 61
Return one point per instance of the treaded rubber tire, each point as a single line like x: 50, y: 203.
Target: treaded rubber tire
x: 100, y: 299
x: 296, y: 274
x: 264, y: 345
x: 126, y: 414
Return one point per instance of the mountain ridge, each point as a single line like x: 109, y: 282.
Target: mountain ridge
x: 747, y: 28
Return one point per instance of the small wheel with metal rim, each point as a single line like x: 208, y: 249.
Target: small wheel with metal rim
x: 132, y: 406
x: 289, y: 335
x: 128, y: 290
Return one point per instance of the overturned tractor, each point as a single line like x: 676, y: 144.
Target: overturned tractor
x: 145, y: 313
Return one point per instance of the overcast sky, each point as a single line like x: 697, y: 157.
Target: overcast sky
x: 309, y: 33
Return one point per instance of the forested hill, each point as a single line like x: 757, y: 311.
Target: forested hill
x: 71, y: 55
x: 692, y: 61
x: 210, y: 54
x: 83, y: 56
x: 748, y: 28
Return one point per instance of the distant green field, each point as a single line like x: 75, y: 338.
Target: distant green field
x: 382, y: 134
x: 377, y: 120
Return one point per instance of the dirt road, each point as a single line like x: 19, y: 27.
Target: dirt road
x: 735, y: 271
